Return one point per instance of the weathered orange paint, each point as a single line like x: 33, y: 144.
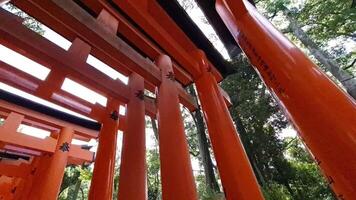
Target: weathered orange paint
x: 19, y: 190
x: 322, y: 113
x: 176, y: 170
x: 9, y: 191
x: 40, y: 171
x: 15, y: 169
x: 103, y: 175
x: 236, y: 173
x: 152, y: 26
x: 28, y: 182
x: 5, y: 186
x: 133, y: 175
x: 52, y: 180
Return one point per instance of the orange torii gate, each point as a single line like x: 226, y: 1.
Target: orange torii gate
x: 138, y: 39
x: 39, y: 160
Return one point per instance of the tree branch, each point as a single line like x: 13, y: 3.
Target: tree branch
x: 351, y: 65
x: 273, y: 15
x: 353, y: 4
x: 286, y: 30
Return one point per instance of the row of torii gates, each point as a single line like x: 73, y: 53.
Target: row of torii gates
x: 324, y: 115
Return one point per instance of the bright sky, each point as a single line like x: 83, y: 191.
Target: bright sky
x: 197, y: 15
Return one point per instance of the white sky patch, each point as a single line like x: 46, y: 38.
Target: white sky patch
x: 83, y: 92
x: 91, y: 142
x: 23, y: 63
x: 31, y: 97
x: 104, y: 68
x: 348, y: 44
x: 150, y: 139
x: 56, y: 38
x: 33, y: 131
x: 197, y: 15
x: 120, y: 135
x: 288, y: 132
x: 122, y: 110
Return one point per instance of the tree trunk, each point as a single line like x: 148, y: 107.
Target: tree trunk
x: 204, y: 147
x: 76, y: 190
x: 154, y: 128
x: 346, y: 79
x: 259, y: 176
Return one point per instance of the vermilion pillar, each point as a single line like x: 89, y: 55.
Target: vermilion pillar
x: 322, y: 113
x: 101, y: 186
x: 133, y: 181
x: 176, y: 170
x: 52, y: 179
x: 238, y: 179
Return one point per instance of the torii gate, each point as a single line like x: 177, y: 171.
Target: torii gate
x: 135, y: 38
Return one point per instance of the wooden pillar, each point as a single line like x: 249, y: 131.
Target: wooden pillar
x: 51, y: 178
x: 322, y: 113
x: 133, y: 176
x: 176, y: 170
x: 236, y: 173
x: 101, y: 186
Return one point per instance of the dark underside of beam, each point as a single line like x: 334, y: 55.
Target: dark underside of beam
x: 20, y: 101
x: 178, y: 14
x: 13, y: 156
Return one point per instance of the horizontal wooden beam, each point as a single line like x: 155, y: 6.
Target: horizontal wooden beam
x: 69, y: 14
x: 39, y: 49
x: 55, y: 58
x: 31, y: 85
x: 12, y: 170
x: 83, y: 155
x: 44, y: 52
x: 21, y: 150
x: 10, y: 135
x: 46, y: 120
x: 137, y: 38
x: 163, y: 36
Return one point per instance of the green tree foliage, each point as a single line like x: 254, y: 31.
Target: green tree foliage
x: 75, y: 183
x: 308, y: 176
x: 28, y: 21
x: 322, y: 21
x: 329, y: 19
x: 153, y: 175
